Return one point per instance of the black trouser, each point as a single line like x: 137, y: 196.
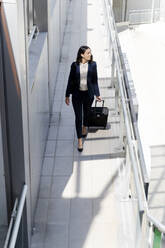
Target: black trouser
x: 81, y: 105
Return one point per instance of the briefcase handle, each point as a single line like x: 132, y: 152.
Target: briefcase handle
x: 99, y: 101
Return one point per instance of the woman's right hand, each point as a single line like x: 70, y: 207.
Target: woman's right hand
x: 67, y: 100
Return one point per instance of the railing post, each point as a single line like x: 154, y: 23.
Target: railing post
x: 122, y: 124
x: 128, y: 173
x: 113, y: 70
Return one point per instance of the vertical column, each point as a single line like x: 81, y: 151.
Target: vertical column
x: 3, y: 206
x: 114, y: 83
x: 127, y: 175
x: 40, y: 10
x: 30, y: 15
x: 113, y: 70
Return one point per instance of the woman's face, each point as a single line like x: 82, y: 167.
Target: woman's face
x: 87, y: 55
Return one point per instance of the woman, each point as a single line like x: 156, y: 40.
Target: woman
x: 83, y: 85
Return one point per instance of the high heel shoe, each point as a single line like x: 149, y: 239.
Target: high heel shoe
x: 80, y: 145
x: 80, y: 149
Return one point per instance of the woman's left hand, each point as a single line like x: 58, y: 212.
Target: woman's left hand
x: 98, y: 98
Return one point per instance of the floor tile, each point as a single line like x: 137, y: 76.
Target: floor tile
x: 38, y: 236
x: 59, y: 210
x: 60, y: 187
x: 81, y: 209
x: 67, y: 119
x: 64, y: 148
x: 80, y: 235
x: 66, y: 133
x: 48, y: 164
x: 45, y: 185
x: 57, y: 105
x: 41, y: 211
x: 63, y: 166
x: 56, y: 236
x: 50, y: 148
x: 55, y: 116
x: 53, y: 131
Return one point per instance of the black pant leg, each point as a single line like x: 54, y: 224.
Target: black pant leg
x: 87, y: 103
x: 77, y: 106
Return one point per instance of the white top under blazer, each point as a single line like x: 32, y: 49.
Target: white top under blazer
x: 83, y: 76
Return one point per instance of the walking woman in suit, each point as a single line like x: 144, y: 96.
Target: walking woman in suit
x: 83, y: 85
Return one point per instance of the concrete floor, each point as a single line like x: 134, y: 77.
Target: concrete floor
x: 83, y: 199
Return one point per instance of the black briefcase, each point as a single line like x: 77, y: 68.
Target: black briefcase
x: 97, y: 116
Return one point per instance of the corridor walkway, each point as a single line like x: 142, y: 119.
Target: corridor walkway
x: 82, y: 201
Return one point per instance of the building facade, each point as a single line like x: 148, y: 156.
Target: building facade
x: 31, y: 36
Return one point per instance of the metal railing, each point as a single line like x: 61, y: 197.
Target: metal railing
x: 131, y: 138
x: 14, y: 225
x: 123, y: 97
x: 33, y: 34
x: 133, y: 104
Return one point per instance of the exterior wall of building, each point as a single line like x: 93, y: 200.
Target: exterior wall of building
x: 162, y: 10
x: 122, y: 7
x: 57, y: 14
x: 54, y: 41
x: 141, y: 5
x: 37, y: 69
x: 38, y: 110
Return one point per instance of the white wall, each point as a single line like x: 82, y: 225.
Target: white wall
x: 53, y: 43
x: 38, y: 110
x: 57, y: 13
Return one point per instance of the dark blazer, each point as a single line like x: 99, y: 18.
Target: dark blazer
x: 74, y: 80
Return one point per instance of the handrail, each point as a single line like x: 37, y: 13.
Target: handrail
x: 143, y: 205
x: 114, y: 41
x: 15, y: 214
x: 134, y: 123
x: 156, y: 223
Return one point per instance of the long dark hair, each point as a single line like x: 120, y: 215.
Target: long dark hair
x: 82, y: 50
